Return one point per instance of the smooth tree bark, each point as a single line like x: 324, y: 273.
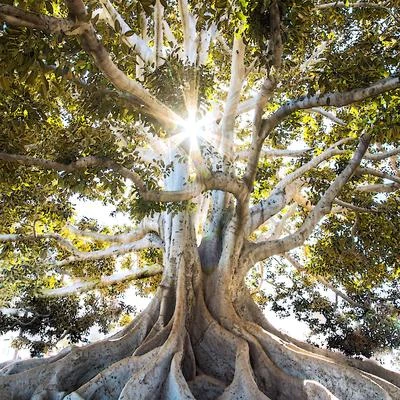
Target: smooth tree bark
x: 202, y: 336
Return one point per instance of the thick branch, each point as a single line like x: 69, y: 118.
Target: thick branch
x: 80, y: 164
x: 206, y: 36
x: 328, y: 99
x: 262, y: 250
x: 189, y: 31
x: 217, y: 181
x: 275, y: 41
x: 232, y: 101
x: 145, y: 102
x: 123, y: 276
x: 16, y: 17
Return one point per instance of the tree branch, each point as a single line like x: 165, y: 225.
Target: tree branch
x: 233, y: 97
x: 328, y: 99
x: 324, y: 282
x: 133, y: 41
x: 206, y: 36
x: 355, y: 208
x: 342, y: 4
x: 189, y: 31
x: 275, y: 41
x: 145, y: 102
x: 379, y: 188
x: 80, y: 164
x: 16, y: 17
x: 158, y: 32
x: 149, y: 241
x: 216, y: 181
x: 146, y: 226
x: 64, y: 243
x: 262, y: 250
x: 123, y: 276
x: 279, y: 197
x: 382, y: 156
x: 327, y: 114
x: 379, y: 174
x: 275, y: 153
x: 140, y: 97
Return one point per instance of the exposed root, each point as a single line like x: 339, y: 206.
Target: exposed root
x: 243, y: 385
x: 206, y: 387
x: 343, y: 381
x: 176, y: 386
x: 214, y: 347
x: 197, y: 355
x: 389, y: 380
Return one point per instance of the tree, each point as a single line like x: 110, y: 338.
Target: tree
x: 146, y: 105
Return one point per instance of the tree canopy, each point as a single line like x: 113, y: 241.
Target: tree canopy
x: 268, y: 132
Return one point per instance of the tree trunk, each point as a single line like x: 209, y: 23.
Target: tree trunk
x: 201, y: 337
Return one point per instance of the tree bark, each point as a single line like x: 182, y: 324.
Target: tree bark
x: 201, y: 337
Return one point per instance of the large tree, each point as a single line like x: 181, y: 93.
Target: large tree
x: 185, y: 116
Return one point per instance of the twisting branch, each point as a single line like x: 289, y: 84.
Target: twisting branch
x: 262, y: 250
x: 77, y: 24
x: 149, y: 241
x: 119, y: 277
x: 328, y: 99
x: 80, y: 164
x: 17, y: 17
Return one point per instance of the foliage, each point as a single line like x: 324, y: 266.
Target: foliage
x: 55, y: 104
